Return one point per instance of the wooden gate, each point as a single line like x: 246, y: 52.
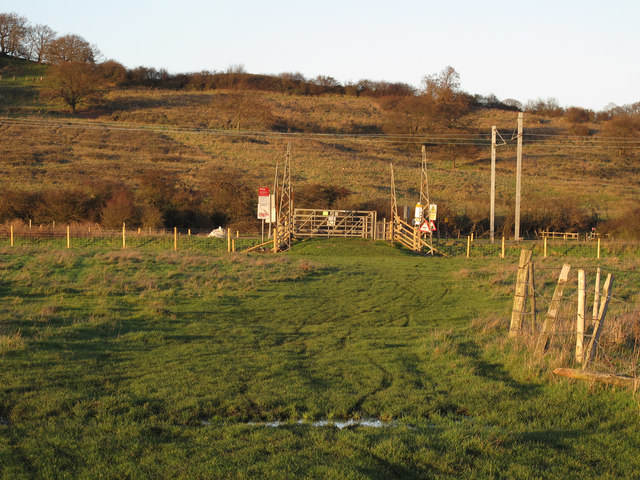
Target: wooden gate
x: 334, y: 223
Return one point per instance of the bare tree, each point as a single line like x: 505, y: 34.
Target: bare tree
x: 444, y: 89
x: 40, y: 38
x: 13, y: 30
x: 75, y: 83
x: 71, y: 48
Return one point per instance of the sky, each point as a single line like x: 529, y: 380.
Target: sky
x: 582, y: 53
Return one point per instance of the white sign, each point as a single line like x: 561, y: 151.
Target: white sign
x: 265, y: 204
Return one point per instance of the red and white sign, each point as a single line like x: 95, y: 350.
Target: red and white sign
x: 425, y: 227
x: 432, y: 225
x: 264, y: 204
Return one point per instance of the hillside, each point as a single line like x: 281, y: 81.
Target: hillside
x: 201, y: 139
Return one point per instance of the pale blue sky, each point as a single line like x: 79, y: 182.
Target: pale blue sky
x: 582, y: 53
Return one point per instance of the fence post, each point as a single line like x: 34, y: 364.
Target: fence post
x: 11, y: 229
x: 580, y: 319
x: 545, y: 247
x: 520, y: 296
x: 596, y: 296
x: 233, y: 245
x: 550, y: 320
x: 175, y: 239
x: 124, y: 236
x: 532, y: 294
x: 597, y: 328
x: 228, y: 239
x: 598, y: 247
x: 502, y: 254
x: 468, y: 245
x: 68, y: 238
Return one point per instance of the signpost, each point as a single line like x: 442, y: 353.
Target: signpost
x: 264, y: 206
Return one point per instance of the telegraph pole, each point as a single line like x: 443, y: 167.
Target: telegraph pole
x: 518, y: 177
x: 493, y: 183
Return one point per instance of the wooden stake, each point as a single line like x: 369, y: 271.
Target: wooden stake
x: 29, y: 224
x: 532, y: 296
x: 597, y: 328
x: 596, y: 296
x: 468, y: 245
x: 545, y: 247
x: 189, y: 231
x: 233, y: 245
x: 68, y: 238
x: 228, y: 239
x: 580, y: 319
x: 550, y: 320
x: 124, y: 236
x: 502, y: 255
x: 520, y: 296
x: 175, y: 239
x: 11, y: 229
x: 275, y: 238
x: 598, y: 248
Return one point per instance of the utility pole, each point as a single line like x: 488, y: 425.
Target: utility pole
x: 518, y: 177
x: 493, y: 183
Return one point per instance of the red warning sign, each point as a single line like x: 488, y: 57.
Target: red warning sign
x: 425, y: 227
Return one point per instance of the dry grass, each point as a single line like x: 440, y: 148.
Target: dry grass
x: 37, y: 157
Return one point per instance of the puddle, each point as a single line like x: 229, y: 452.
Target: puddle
x: 339, y: 424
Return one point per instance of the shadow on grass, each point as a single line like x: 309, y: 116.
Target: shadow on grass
x: 495, y: 371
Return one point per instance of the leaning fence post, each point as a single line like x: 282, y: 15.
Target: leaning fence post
x: 520, y: 296
x: 597, y: 327
x: 596, y: 296
x: 468, y: 245
x: 580, y: 318
x: 550, y: 320
x: 532, y: 294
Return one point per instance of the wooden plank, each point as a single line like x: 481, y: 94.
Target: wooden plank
x: 618, y: 380
x: 520, y: 295
x: 598, y: 325
x: 550, y: 320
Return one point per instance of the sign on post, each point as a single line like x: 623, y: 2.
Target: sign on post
x: 433, y: 212
x: 425, y: 227
x: 264, y: 204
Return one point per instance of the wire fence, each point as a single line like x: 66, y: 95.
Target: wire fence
x: 95, y: 236
x: 618, y: 347
x: 82, y: 237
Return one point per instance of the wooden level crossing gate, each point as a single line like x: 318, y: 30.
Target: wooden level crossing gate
x: 334, y: 223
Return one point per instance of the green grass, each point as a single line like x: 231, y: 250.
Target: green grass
x: 151, y: 364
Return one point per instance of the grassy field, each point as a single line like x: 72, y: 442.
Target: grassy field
x: 196, y: 364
